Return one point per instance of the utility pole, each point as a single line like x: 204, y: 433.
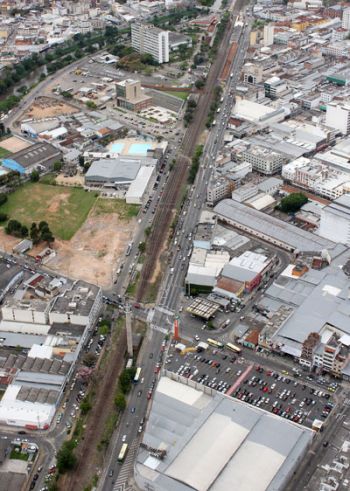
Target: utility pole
x: 128, y: 315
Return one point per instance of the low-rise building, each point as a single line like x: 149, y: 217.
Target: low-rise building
x: 335, y: 220
x: 218, y: 189
x: 130, y: 95
x: 263, y: 160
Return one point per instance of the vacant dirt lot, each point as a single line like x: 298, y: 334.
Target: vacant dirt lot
x: 95, y: 251
x: 14, y: 144
x: 45, y: 107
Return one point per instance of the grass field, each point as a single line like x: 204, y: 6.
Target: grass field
x: 18, y: 455
x: 64, y: 209
x: 180, y: 95
x: 124, y: 210
x: 4, y: 153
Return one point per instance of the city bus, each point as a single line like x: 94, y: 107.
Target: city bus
x: 128, y: 250
x: 122, y: 452
x: 233, y: 347
x: 214, y: 343
x: 137, y: 375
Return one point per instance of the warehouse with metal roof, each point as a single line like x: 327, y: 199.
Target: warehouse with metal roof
x: 271, y: 229
x: 200, y: 439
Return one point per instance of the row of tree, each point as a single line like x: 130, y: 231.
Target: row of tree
x: 191, y: 106
x: 214, y: 106
x: 37, y: 233
x: 195, y: 163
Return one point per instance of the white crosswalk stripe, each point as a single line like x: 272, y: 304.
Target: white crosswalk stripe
x: 160, y: 329
x: 150, y: 315
x: 163, y: 310
x: 127, y: 468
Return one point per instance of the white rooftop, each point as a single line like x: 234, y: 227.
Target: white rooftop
x: 212, y: 441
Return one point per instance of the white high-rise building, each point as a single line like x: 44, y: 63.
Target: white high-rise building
x: 149, y: 39
x: 338, y: 117
x: 268, y: 34
x: 346, y: 19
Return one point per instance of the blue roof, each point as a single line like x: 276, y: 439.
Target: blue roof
x: 13, y: 165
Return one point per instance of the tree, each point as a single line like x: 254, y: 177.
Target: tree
x: 15, y: 228
x: 199, y: 84
x: 85, y: 406
x: 292, y: 203
x: 3, y: 198
x: 43, y: 226
x: 81, y: 160
x: 3, y: 217
x: 34, y: 233
x: 34, y: 176
x: 24, y: 231
x: 91, y: 105
x: 47, y: 236
x: 89, y: 359
x: 142, y: 247
x: 57, y: 166
x: 120, y: 401
x: 66, y: 459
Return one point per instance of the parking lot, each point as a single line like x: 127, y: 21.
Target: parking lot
x: 280, y: 393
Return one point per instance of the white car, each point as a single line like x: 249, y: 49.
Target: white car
x: 197, y: 338
x: 124, y: 439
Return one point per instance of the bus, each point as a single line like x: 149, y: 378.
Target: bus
x: 214, y: 343
x: 122, y: 452
x: 137, y: 375
x: 128, y: 250
x: 233, y: 347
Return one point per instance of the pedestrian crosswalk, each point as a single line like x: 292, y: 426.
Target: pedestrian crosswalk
x: 163, y: 310
x: 126, y: 471
x: 160, y: 329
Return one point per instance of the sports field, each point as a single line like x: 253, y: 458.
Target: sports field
x: 64, y: 209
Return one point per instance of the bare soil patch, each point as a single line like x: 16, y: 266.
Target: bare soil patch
x: 95, y: 251
x: 45, y: 107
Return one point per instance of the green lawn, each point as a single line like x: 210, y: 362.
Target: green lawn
x: 180, y: 95
x: 4, y: 153
x: 65, y: 209
x: 18, y: 455
x: 124, y: 210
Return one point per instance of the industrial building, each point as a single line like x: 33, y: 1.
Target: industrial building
x: 335, y: 220
x: 270, y: 229
x: 248, y: 269
x: 40, y: 156
x: 199, y: 439
x: 122, y: 172
x: 146, y: 38
x: 319, y: 304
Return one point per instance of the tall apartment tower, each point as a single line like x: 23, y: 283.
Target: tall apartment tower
x: 149, y: 39
x: 268, y: 35
x: 346, y: 19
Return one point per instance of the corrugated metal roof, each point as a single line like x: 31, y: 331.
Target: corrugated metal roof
x: 211, y: 442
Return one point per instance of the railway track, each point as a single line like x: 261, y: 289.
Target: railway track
x: 178, y: 176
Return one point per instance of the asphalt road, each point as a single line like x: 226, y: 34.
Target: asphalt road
x: 115, y: 474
